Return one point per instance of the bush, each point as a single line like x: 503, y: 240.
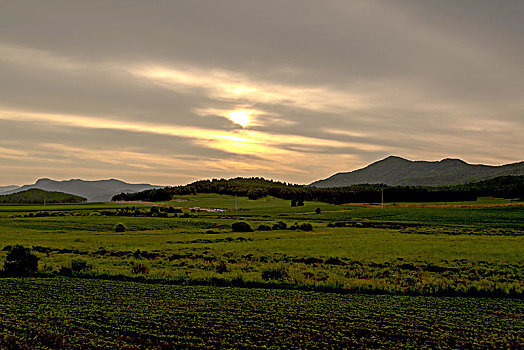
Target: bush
x: 279, y: 274
x: 80, y: 266
x: 306, y: 227
x: 241, y: 227
x: 138, y: 268
x: 154, y: 210
x: 20, y: 261
x: 280, y: 226
x: 264, y: 228
x: 120, y: 228
x: 317, y: 211
x: 222, y: 268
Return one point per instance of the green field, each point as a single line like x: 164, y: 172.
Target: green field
x: 91, y: 314
x: 423, y: 260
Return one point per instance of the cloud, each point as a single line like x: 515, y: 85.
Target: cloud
x: 235, y: 87
x: 148, y: 91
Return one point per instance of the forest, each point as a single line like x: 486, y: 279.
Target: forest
x: 256, y: 187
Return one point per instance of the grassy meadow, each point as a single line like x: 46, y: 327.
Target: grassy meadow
x: 468, y: 253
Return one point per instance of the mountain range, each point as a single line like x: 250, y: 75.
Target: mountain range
x: 399, y: 171
x: 93, y: 191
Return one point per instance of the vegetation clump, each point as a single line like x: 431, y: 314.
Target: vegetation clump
x: 280, y: 226
x: 277, y: 274
x: 120, y: 227
x: 139, y: 269
x: 241, y: 226
x: 80, y: 266
x: 20, y: 261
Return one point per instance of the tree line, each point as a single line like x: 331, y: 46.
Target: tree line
x: 256, y: 187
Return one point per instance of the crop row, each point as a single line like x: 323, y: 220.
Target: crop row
x: 89, y: 314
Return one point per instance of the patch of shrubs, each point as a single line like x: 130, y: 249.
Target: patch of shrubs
x: 79, y: 266
x: 264, y: 228
x: 277, y: 274
x: 306, y: 227
x: 337, y: 224
x: 20, y: 261
x: 302, y: 227
x: 241, y: 227
x: 279, y: 226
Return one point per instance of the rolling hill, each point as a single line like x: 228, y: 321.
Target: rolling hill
x: 93, y: 191
x: 37, y: 196
x: 399, y: 171
x: 4, y: 189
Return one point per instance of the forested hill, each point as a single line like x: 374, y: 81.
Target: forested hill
x: 254, y: 188
x: 399, y: 171
x: 37, y: 196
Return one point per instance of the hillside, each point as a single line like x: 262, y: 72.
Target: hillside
x: 255, y: 188
x: 399, y: 171
x: 93, y: 191
x: 37, y: 196
x: 4, y: 189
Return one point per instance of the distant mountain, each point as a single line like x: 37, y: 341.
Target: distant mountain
x: 37, y: 196
x: 399, y: 171
x: 93, y: 191
x: 4, y: 189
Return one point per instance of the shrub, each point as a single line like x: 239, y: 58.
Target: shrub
x: 20, y: 261
x: 241, y: 227
x: 79, y: 265
x: 222, y: 267
x: 264, y: 228
x: 139, y: 268
x: 279, y: 274
x: 154, y: 210
x: 317, y: 211
x: 120, y: 227
x: 280, y: 226
x: 306, y: 227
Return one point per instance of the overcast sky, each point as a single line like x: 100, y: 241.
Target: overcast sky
x: 168, y: 92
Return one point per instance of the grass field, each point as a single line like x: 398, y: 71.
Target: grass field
x: 402, y: 251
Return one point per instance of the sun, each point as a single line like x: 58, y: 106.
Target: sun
x: 240, y: 117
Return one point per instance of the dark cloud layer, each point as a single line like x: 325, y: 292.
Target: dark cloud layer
x: 144, y: 90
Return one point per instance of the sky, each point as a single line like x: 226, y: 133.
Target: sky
x: 169, y: 92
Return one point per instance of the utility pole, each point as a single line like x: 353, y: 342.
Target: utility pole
x: 382, y: 196
x: 44, y: 199
x: 236, y: 203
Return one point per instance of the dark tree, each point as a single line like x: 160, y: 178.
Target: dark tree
x: 20, y: 261
x: 293, y: 202
x: 317, y: 211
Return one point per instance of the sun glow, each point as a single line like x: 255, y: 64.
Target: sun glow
x: 240, y: 117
